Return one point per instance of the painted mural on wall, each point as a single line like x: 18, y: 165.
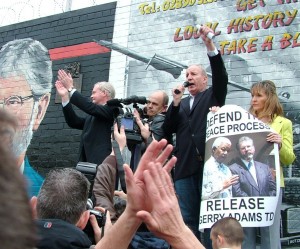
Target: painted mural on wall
x: 30, y: 56
x: 25, y: 83
x: 258, y: 39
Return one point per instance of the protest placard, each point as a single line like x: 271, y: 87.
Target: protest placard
x: 241, y: 171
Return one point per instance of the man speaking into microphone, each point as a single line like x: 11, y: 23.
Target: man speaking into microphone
x: 187, y: 118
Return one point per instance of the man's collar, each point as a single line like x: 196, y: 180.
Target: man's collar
x: 22, y: 167
x: 247, y: 162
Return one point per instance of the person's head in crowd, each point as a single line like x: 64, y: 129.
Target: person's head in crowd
x: 197, y: 76
x: 8, y: 128
x: 265, y: 102
x: 25, y: 86
x: 246, y: 148
x: 220, y: 149
x: 102, y: 92
x: 157, y: 103
x: 18, y: 228
x: 227, y: 233
x: 63, y: 196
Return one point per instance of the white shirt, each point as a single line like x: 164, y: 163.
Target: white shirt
x: 212, y: 53
x: 191, y: 101
x: 67, y: 102
x: 214, y: 175
x: 252, y: 169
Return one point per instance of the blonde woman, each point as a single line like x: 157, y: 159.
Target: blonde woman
x: 266, y: 107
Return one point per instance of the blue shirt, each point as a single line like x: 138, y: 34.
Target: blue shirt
x: 34, y: 180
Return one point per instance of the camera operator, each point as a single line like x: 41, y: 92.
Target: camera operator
x: 61, y: 209
x: 157, y: 104
x: 156, y: 107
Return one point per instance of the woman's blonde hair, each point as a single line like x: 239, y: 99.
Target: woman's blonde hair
x: 272, y: 106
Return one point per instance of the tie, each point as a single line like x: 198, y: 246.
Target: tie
x: 222, y: 168
x: 249, y: 165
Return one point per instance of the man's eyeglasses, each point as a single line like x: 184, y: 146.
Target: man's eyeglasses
x: 15, y: 102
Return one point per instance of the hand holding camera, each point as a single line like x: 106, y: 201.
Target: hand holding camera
x: 98, y: 223
x: 132, y: 130
x: 144, y: 127
x: 119, y: 136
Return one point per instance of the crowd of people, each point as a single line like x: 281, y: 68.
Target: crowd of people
x: 164, y: 186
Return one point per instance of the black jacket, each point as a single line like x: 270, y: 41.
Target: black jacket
x: 58, y: 234
x: 155, y: 126
x: 190, y: 125
x: 95, y: 144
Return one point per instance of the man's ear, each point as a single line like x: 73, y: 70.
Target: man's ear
x: 213, y: 150
x: 42, y: 108
x: 220, y: 240
x: 205, y: 79
x: 33, y: 203
x: 83, y: 220
x: 165, y: 108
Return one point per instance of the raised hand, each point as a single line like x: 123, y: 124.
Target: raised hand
x: 165, y: 219
x: 62, y: 91
x: 157, y: 152
x: 65, y: 79
x: 204, y: 30
x: 177, y: 94
x: 120, y: 136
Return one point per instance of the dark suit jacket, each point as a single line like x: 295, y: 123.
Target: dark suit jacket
x: 155, y: 126
x: 95, y: 144
x: 247, y: 186
x: 179, y: 118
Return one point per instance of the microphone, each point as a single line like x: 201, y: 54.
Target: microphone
x: 185, y: 84
x: 209, y: 35
x: 127, y: 101
x: 114, y: 102
x: 135, y: 99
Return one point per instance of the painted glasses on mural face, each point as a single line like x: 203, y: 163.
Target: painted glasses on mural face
x: 17, y: 98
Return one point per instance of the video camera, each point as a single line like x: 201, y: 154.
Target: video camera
x: 125, y: 117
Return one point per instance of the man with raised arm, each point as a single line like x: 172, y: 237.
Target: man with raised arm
x: 95, y: 142
x: 187, y: 118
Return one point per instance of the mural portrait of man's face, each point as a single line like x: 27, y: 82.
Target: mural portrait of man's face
x: 19, y: 100
x: 25, y: 83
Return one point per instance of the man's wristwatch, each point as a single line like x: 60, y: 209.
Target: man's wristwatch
x: 70, y: 89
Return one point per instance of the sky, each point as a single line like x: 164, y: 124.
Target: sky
x: 15, y: 11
